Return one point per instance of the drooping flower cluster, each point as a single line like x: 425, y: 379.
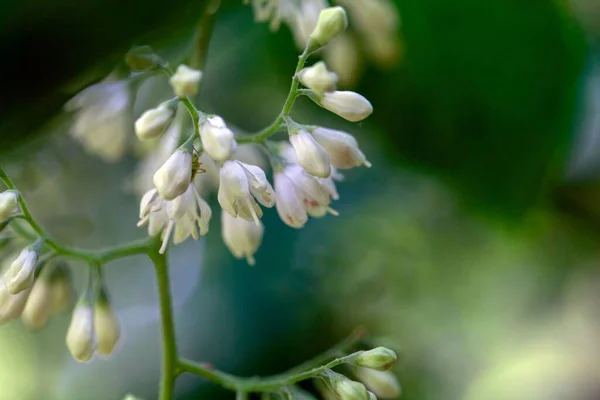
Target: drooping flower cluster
x: 375, y: 31
x: 304, y: 169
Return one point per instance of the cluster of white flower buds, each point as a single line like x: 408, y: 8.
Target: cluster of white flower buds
x: 32, y: 289
x: 374, y: 380
x: 375, y: 31
x: 304, y: 169
x: 94, y: 326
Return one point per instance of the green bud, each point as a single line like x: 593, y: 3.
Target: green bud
x: 332, y: 21
x: 143, y: 58
x: 379, y: 358
x: 351, y: 390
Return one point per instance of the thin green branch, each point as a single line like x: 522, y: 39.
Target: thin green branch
x: 310, y: 369
x: 90, y: 256
x: 169, y: 344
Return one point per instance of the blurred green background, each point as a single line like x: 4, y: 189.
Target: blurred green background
x: 470, y: 247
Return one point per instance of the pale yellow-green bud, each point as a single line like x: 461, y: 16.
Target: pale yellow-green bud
x: 332, y: 21
x: 379, y: 358
x: 80, y: 338
x: 318, y: 78
x: 185, y: 81
x: 106, y: 325
x: 382, y: 383
x: 19, y: 275
x: 8, y: 204
x: 351, y: 390
x: 173, y: 178
x: 39, y: 305
x: 154, y: 122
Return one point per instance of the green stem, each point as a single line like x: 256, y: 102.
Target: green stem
x: 204, y: 33
x: 169, y: 344
x: 90, y: 256
x: 241, y: 395
x: 309, y: 369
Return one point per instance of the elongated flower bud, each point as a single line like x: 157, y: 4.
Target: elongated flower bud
x: 106, y: 324
x: 379, y: 358
x: 351, y: 390
x: 20, y: 274
x: 8, y: 204
x: 383, y: 383
x: 39, y: 304
x: 310, y: 154
x: 154, y: 122
x: 11, y: 305
x: 318, y: 78
x: 185, y: 81
x: 173, y: 178
x: 348, y: 105
x: 241, y: 237
x: 62, y: 288
x: 342, y: 148
x: 80, y: 339
x: 217, y: 139
x: 332, y: 21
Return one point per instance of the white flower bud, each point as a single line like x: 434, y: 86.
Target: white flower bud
x: 20, y: 274
x: 383, y: 383
x: 11, y: 305
x: 80, y: 339
x: 173, y: 178
x: 342, y: 148
x: 351, y: 390
x: 241, y: 237
x: 154, y: 122
x: 310, y: 154
x: 289, y: 203
x: 235, y: 192
x: 379, y: 358
x: 8, y: 204
x: 39, y: 305
x: 332, y: 21
x: 318, y: 78
x: 185, y: 81
x: 348, y: 105
x: 106, y: 327
x: 217, y: 139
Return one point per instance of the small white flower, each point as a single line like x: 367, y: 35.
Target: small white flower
x: 342, y: 148
x: 20, y: 274
x: 237, y: 184
x: 241, y: 237
x: 310, y: 154
x: 80, y: 339
x: 289, y: 205
x: 106, y: 327
x: 186, y: 214
x: 11, y: 305
x: 332, y: 21
x: 8, y: 204
x: 185, y: 81
x: 348, y: 105
x: 39, y: 304
x: 318, y: 78
x: 314, y: 193
x: 103, y: 119
x: 217, y: 139
x: 173, y: 178
x: 154, y: 122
